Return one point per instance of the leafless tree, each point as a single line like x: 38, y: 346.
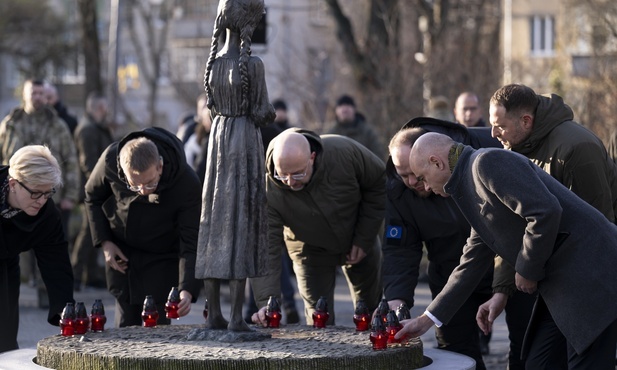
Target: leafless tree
x: 34, y: 35
x: 90, y: 45
x: 148, y: 27
x: 591, y: 85
x: 411, y: 50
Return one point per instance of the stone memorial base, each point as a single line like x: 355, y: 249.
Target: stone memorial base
x: 184, y: 347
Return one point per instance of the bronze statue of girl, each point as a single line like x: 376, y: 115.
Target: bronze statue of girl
x: 232, y: 241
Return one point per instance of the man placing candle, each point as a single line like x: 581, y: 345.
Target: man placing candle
x: 143, y: 203
x: 326, y: 206
x: 559, y: 246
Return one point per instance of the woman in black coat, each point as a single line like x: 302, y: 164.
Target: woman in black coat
x: 30, y: 220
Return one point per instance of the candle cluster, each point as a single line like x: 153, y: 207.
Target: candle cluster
x: 385, y: 323
x: 75, y: 320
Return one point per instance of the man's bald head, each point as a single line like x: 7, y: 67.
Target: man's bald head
x: 431, y: 143
x: 428, y: 159
x: 292, y: 156
x: 290, y: 147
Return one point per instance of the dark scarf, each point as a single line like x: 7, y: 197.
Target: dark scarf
x: 6, y: 210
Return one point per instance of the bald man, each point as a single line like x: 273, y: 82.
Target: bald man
x: 467, y: 110
x: 560, y: 246
x: 326, y: 204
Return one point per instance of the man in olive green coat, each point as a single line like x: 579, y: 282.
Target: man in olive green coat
x: 326, y: 204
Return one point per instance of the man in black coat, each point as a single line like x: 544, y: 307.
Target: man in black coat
x: 143, y: 202
x: 416, y: 218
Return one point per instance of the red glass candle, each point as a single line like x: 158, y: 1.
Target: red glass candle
x: 361, y: 321
x: 383, y: 310
x: 402, y: 312
x: 321, y: 315
x: 273, y: 312
x: 97, y: 323
x: 82, y: 322
x: 320, y: 319
x: 392, y: 327
x: 361, y: 316
x: 379, y: 340
x: 378, y: 336
x: 205, y: 313
x: 67, y: 320
x: 97, y: 316
x: 149, y: 315
x: 173, y: 301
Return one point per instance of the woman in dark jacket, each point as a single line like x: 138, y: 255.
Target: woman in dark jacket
x: 29, y: 220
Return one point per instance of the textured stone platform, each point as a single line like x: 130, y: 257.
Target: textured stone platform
x: 167, y: 347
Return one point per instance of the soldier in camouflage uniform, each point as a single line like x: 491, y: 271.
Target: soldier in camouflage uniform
x: 36, y: 123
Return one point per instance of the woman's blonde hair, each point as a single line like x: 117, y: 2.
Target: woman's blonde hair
x: 35, y: 165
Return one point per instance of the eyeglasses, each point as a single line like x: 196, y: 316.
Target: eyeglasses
x: 297, y: 176
x: 149, y: 186
x: 139, y: 188
x: 37, y: 194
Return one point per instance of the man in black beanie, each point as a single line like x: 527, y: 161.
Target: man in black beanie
x: 352, y: 124
x: 280, y: 108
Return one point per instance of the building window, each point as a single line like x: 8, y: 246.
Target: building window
x: 188, y: 64
x: 542, y: 35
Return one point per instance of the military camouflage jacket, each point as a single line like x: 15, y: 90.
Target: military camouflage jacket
x: 42, y: 128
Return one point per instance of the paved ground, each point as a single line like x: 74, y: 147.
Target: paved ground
x: 33, y: 325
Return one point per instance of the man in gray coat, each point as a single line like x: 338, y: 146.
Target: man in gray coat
x: 545, y: 232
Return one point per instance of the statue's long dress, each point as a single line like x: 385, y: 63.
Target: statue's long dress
x: 232, y: 240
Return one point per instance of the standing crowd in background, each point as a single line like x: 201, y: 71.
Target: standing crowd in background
x: 489, y: 229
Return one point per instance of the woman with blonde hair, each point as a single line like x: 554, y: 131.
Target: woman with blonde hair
x: 29, y: 220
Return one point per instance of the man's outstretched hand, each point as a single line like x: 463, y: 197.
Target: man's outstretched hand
x: 415, y: 327
x: 259, y: 317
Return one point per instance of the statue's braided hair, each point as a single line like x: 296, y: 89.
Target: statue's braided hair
x: 242, y: 16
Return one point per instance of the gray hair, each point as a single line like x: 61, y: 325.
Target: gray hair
x: 34, y: 164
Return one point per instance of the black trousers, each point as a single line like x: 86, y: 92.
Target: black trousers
x: 518, y: 314
x: 9, y: 303
x: 127, y: 314
x: 548, y: 348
